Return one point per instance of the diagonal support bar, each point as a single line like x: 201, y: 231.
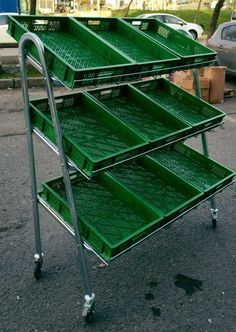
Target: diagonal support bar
x: 197, y: 88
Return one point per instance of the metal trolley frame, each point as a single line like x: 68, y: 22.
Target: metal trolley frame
x: 66, y: 166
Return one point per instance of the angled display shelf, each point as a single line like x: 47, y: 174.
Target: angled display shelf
x: 89, y: 51
x: 133, y: 173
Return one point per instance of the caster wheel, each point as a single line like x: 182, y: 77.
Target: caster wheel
x: 90, y: 315
x: 37, y: 270
x: 214, y: 222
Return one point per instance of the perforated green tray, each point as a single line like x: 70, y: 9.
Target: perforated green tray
x: 111, y: 218
x: 92, y: 137
x: 73, y: 55
x: 159, y: 187
x: 140, y: 113
x: 202, y: 172
x: 194, y: 111
x: 186, y: 48
x: 128, y: 41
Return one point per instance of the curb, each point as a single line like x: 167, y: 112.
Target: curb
x: 15, y: 83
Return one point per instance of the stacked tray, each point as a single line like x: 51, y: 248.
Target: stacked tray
x: 190, y: 51
x: 190, y: 109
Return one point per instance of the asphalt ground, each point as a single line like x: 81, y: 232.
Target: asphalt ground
x: 180, y: 279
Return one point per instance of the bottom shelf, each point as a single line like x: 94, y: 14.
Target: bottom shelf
x: 118, y: 209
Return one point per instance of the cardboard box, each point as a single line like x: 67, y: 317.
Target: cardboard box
x: 204, y: 82
x: 187, y: 84
x: 204, y: 93
x: 201, y: 71
x: 185, y: 80
x: 216, y: 75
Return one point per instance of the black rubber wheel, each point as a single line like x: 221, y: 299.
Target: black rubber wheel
x: 214, y: 222
x: 194, y: 34
x: 37, y: 270
x: 90, y: 316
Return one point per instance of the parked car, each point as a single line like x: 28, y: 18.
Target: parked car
x: 5, y: 38
x: 223, y: 42
x: 233, y: 16
x: 176, y: 23
x: 4, y: 21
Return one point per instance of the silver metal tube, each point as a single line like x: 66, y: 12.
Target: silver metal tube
x: 197, y: 90
x: 64, y: 165
x: 22, y: 63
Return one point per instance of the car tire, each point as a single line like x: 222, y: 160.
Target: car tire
x: 194, y: 34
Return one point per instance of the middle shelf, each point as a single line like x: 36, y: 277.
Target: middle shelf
x: 103, y: 127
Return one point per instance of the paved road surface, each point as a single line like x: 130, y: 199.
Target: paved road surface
x: 181, y: 279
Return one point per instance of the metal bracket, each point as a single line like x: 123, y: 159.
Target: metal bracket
x: 89, y: 304
x: 214, y: 214
x: 38, y: 258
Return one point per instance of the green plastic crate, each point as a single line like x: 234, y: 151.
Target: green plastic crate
x: 92, y: 137
x: 111, y: 218
x: 156, y: 185
x: 73, y: 54
x: 189, y: 50
x: 143, y: 115
x: 195, y: 168
x: 194, y: 111
x: 148, y: 55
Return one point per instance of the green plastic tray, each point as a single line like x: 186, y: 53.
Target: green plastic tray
x: 111, y: 218
x: 195, y: 168
x: 156, y: 185
x: 143, y: 115
x: 73, y: 54
x: 193, y: 110
x: 184, y: 47
x: 92, y: 137
x: 130, y: 42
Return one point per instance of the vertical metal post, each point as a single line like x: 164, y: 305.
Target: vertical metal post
x: 22, y: 62
x: 89, y: 297
x: 214, y: 210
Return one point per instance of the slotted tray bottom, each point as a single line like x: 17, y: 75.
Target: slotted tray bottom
x: 87, y: 132
x: 174, y: 106
x: 134, y: 115
x: 107, y: 214
x: 126, y: 46
x: 187, y: 168
x: 179, y: 49
x: 149, y: 186
x: 72, y: 50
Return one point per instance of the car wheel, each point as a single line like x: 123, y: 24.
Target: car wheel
x: 194, y: 34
